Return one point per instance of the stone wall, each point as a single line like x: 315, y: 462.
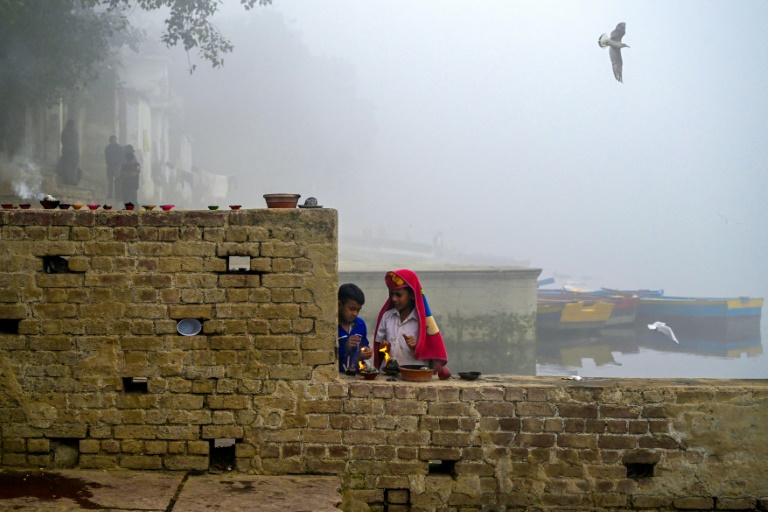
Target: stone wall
x: 89, y: 303
x: 93, y: 374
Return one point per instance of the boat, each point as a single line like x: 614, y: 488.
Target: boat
x: 704, y: 318
x: 562, y: 310
x: 696, y: 317
x: 656, y: 306
x: 700, y: 307
x: 569, y: 309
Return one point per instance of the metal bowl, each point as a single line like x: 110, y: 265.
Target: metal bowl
x: 189, y: 327
x: 469, y: 375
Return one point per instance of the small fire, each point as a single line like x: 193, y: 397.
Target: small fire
x: 384, y: 350
x: 361, y: 365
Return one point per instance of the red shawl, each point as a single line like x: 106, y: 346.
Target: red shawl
x: 430, y: 344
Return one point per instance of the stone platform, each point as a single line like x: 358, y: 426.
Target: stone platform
x: 25, y: 490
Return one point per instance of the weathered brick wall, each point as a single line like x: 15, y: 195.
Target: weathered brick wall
x: 263, y: 372
x: 542, y: 443
x: 69, y: 339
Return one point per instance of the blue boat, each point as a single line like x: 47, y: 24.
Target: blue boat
x: 695, y: 307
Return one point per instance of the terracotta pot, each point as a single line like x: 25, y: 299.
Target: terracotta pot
x: 414, y: 373
x: 282, y: 200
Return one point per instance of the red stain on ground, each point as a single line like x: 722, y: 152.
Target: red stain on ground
x: 47, y: 487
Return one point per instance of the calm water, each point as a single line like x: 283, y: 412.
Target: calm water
x: 738, y: 354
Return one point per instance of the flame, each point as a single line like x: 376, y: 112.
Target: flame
x: 384, y: 350
x: 361, y: 365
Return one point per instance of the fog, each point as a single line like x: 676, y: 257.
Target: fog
x: 500, y: 125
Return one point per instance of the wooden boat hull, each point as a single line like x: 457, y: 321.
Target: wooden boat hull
x: 568, y: 315
x: 691, y: 307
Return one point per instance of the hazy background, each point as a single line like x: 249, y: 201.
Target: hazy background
x: 500, y: 125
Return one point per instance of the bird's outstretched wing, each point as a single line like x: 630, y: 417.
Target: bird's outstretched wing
x: 617, y: 34
x: 616, y: 62
x: 664, y: 329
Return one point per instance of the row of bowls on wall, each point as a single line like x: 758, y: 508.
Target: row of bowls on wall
x: 273, y: 201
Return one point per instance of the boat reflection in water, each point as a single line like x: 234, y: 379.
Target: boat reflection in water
x: 705, y: 350
x: 718, y: 338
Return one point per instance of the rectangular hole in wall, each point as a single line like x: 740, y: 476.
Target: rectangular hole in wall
x: 135, y: 385
x: 56, y: 264
x: 9, y: 325
x: 222, y: 454
x: 639, y: 470
x: 442, y: 467
x: 240, y: 265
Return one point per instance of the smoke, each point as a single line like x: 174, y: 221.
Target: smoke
x: 24, y: 175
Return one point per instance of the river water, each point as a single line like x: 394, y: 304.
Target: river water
x: 636, y: 353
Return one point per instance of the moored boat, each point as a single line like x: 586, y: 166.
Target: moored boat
x: 700, y: 307
x: 562, y: 310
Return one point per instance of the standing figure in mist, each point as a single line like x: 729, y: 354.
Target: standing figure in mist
x: 615, y: 48
x: 67, y: 168
x: 129, y: 177
x: 114, y: 155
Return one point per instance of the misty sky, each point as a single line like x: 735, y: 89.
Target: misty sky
x: 500, y: 125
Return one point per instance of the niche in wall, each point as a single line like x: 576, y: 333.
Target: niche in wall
x: 135, y: 385
x: 639, y: 470
x: 56, y: 264
x: 442, y: 467
x: 222, y: 454
x: 9, y: 325
x: 239, y: 265
x: 65, y: 452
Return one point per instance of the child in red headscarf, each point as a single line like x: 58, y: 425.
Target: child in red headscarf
x: 406, y: 326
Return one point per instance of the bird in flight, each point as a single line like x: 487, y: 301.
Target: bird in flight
x: 615, y: 48
x: 664, y: 329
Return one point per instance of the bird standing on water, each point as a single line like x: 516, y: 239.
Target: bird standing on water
x: 615, y: 48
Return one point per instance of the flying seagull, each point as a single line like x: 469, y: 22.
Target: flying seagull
x: 664, y: 329
x: 615, y: 51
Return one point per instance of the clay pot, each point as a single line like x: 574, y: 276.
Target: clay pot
x: 414, y: 373
x: 282, y: 200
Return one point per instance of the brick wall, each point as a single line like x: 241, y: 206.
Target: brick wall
x: 262, y: 373
x: 108, y: 311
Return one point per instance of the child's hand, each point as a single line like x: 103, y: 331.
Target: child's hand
x: 354, y: 341
x: 365, y: 353
x: 410, y: 341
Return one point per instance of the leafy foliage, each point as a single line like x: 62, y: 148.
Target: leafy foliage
x: 189, y: 24
x: 52, y: 48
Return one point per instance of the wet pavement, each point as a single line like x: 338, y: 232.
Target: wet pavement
x: 70, y: 490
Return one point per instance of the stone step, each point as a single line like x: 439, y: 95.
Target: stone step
x: 68, y: 490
